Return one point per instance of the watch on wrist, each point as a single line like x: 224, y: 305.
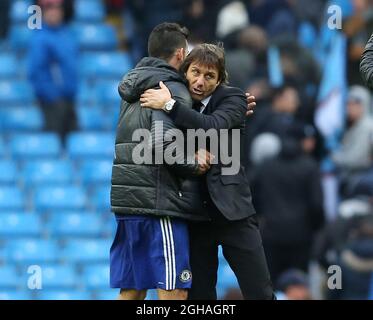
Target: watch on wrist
x: 169, y: 105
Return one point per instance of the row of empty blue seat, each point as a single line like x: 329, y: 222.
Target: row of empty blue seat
x: 89, y: 37
x: 35, y: 251
x: 85, y: 11
x: 56, y: 276
x: 36, y: 172
x: 30, y: 118
x: 92, y: 65
x: 55, y: 198
x: 79, y: 145
x: 20, y: 92
x: 59, y: 224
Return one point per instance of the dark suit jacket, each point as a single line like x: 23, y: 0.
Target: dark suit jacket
x: 225, y: 110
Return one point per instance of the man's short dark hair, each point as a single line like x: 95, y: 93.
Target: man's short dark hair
x: 165, y: 39
x: 210, y: 55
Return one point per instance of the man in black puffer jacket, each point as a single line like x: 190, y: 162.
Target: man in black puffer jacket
x: 366, y: 64
x: 152, y: 200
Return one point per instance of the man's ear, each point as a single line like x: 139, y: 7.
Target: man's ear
x: 180, y: 54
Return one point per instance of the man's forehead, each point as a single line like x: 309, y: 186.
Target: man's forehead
x: 205, y: 66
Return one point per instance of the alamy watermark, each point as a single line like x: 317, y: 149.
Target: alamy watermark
x: 174, y: 146
x: 335, y: 278
x: 34, y: 281
x: 35, y: 20
x: 335, y: 20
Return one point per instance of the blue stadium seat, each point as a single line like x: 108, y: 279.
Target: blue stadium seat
x: 108, y: 294
x: 31, y: 251
x: 90, y: 118
x: 59, y: 198
x: 106, y: 65
x: 18, y: 11
x: 21, y: 118
x: 33, y: 145
x: 15, y: 93
x: 8, y: 171
x: 87, y: 94
x: 8, y: 277
x: 101, y: 198
x: 96, y: 171
x: 63, y: 295
x: 91, y: 145
x: 47, y: 172
x: 8, y: 66
x: 2, y: 145
x: 75, y: 224
x: 86, y: 251
x: 11, y: 198
x: 151, y: 295
x: 20, y: 36
x: 89, y: 11
x: 96, y: 276
x: 110, y: 225
x: 107, y: 92
x: 112, y: 115
x: 20, y: 224
x: 226, y: 280
x: 15, y: 295
x: 96, y: 36
x: 58, y: 276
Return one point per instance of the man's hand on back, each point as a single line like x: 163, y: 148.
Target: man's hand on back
x: 156, y: 98
x: 250, y: 104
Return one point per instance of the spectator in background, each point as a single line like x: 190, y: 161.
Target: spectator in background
x: 277, y: 119
x: 53, y: 69
x: 366, y: 64
x: 200, y: 18
x: 4, y: 18
x: 247, y: 56
x: 356, y: 262
x: 288, y: 196
x: 293, y: 284
x: 355, y: 154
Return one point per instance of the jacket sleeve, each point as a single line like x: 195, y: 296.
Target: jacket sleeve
x: 230, y: 113
x: 366, y: 64
x: 167, y: 138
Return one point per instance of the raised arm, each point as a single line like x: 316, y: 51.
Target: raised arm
x: 229, y: 113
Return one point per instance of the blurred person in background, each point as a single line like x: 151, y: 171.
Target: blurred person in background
x: 247, y: 57
x: 279, y: 118
x: 200, y: 18
x: 293, y: 284
x: 4, y: 18
x: 287, y: 194
x: 366, y: 64
x: 355, y: 155
x: 356, y: 262
x: 53, y: 69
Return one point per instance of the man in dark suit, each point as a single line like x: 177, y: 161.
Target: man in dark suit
x: 233, y: 222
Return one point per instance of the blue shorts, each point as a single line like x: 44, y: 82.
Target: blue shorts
x: 150, y: 252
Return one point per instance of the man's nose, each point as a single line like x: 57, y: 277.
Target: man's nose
x: 200, y: 81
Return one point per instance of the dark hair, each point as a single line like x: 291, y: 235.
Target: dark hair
x: 165, y: 39
x: 279, y: 91
x: 210, y: 55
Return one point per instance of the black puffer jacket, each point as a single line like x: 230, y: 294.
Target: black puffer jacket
x: 366, y: 64
x: 152, y: 189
